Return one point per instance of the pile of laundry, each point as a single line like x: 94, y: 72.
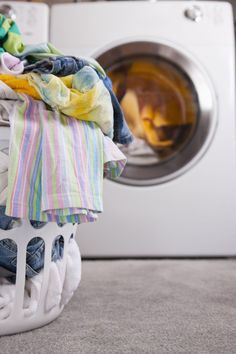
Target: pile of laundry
x: 64, y: 121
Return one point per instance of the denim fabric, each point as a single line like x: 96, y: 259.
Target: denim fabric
x: 122, y: 134
x: 6, y: 222
x: 63, y: 66
x: 35, y: 248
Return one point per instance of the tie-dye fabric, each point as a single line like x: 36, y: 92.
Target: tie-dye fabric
x: 68, y: 65
x: 34, y: 52
x: 82, y: 96
x: 56, y: 165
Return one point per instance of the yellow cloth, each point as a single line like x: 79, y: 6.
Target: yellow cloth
x: 20, y: 85
x: 157, y: 100
x: 152, y: 136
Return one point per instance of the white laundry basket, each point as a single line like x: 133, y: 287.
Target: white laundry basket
x: 17, y: 322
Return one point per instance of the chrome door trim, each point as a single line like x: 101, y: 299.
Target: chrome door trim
x: 194, y: 150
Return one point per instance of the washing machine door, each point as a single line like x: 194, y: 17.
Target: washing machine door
x: 169, y: 107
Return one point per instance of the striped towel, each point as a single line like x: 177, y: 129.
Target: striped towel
x: 57, y: 164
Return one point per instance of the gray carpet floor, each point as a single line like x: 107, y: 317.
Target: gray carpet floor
x: 142, y: 306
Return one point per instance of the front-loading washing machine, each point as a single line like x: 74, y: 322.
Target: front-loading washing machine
x: 173, y: 70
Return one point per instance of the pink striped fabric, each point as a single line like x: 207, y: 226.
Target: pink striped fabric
x: 57, y: 164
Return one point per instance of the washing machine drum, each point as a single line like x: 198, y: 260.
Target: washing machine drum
x: 168, y: 106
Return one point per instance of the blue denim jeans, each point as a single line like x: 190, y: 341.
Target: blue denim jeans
x: 35, y: 249
x: 67, y: 65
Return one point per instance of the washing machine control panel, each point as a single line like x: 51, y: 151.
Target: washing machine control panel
x: 7, y: 11
x: 215, y: 16
x: 31, y: 18
x: 194, y: 13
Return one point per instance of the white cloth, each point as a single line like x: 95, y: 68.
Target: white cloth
x: 7, y: 93
x: 10, y: 64
x: 7, y: 295
x: 60, y: 288
x: 32, y: 294
x: 7, y: 101
x: 73, y: 272
x: 53, y: 297
x: 3, y: 177
x: 5, y: 108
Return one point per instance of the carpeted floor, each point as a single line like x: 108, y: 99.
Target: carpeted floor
x: 143, y: 306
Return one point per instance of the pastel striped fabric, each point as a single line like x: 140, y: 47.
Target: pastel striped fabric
x: 57, y: 164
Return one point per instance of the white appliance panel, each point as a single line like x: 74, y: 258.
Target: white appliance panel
x: 32, y: 20
x: 193, y: 215
x: 88, y: 27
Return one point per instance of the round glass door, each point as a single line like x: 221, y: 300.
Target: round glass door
x: 168, y: 107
